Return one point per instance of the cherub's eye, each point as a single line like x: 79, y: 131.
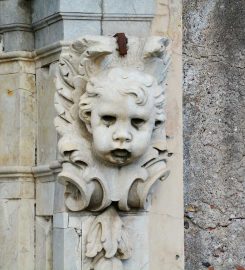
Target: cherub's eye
x: 108, y: 120
x: 137, y: 122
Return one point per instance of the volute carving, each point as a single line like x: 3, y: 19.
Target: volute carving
x: 111, y: 134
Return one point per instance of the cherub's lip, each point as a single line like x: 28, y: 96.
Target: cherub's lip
x: 121, y: 153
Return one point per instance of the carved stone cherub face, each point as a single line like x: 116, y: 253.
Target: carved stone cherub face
x: 119, y: 109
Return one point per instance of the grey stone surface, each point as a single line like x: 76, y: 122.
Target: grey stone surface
x: 44, y: 8
x: 45, y: 198
x: 61, y: 220
x: 214, y: 112
x: 51, y: 33
x: 15, y: 25
x: 86, y: 6
x: 68, y: 20
x: 129, y: 6
x: 66, y: 249
x: 15, y: 11
x: 44, y: 254
x: 128, y: 27
x: 82, y: 27
x: 18, y: 41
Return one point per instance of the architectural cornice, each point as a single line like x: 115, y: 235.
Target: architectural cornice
x: 33, y: 56
x: 40, y: 171
x: 17, y: 55
x: 90, y: 16
x: 15, y: 27
x: 15, y: 172
x: 51, y: 49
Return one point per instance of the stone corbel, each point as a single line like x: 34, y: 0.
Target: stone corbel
x: 111, y: 126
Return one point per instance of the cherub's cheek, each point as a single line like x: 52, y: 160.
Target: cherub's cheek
x: 102, y: 138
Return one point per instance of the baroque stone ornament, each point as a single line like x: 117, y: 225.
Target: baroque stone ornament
x: 111, y: 135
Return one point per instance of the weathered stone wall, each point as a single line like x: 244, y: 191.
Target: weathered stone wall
x: 214, y: 110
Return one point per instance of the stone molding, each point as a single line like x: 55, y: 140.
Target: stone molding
x: 89, y: 16
x: 53, y: 49
x: 65, y: 16
x: 15, y: 27
x: 39, y: 172
x: 15, y: 172
x: 43, y: 172
x: 43, y: 53
x: 16, y: 56
x: 128, y: 17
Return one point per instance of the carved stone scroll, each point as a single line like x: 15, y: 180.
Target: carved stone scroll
x: 111, y: 135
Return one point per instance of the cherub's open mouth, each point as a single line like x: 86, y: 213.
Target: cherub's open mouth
x: 121, y: 154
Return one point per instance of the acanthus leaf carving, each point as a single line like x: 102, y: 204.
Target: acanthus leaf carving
x: 107, y: 234
x: 108, y: 241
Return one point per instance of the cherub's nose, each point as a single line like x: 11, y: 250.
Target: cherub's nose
x: 122, y: 135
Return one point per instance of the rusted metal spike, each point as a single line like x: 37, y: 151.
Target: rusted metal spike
x: 122, y: 43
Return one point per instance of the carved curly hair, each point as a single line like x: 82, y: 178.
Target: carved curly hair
x: 140, y: 84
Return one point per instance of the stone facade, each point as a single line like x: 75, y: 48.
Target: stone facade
x: 214, y: 50
x: 36, y: 230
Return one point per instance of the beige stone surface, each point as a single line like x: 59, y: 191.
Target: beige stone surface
x: 17, y: 118
x: 17, y: 189
x: 10, y: 66
x: 166, y: 215
x: 46, y: 134
x: 45, y: 198
x: 17, y: 234
x: 17, y: 155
